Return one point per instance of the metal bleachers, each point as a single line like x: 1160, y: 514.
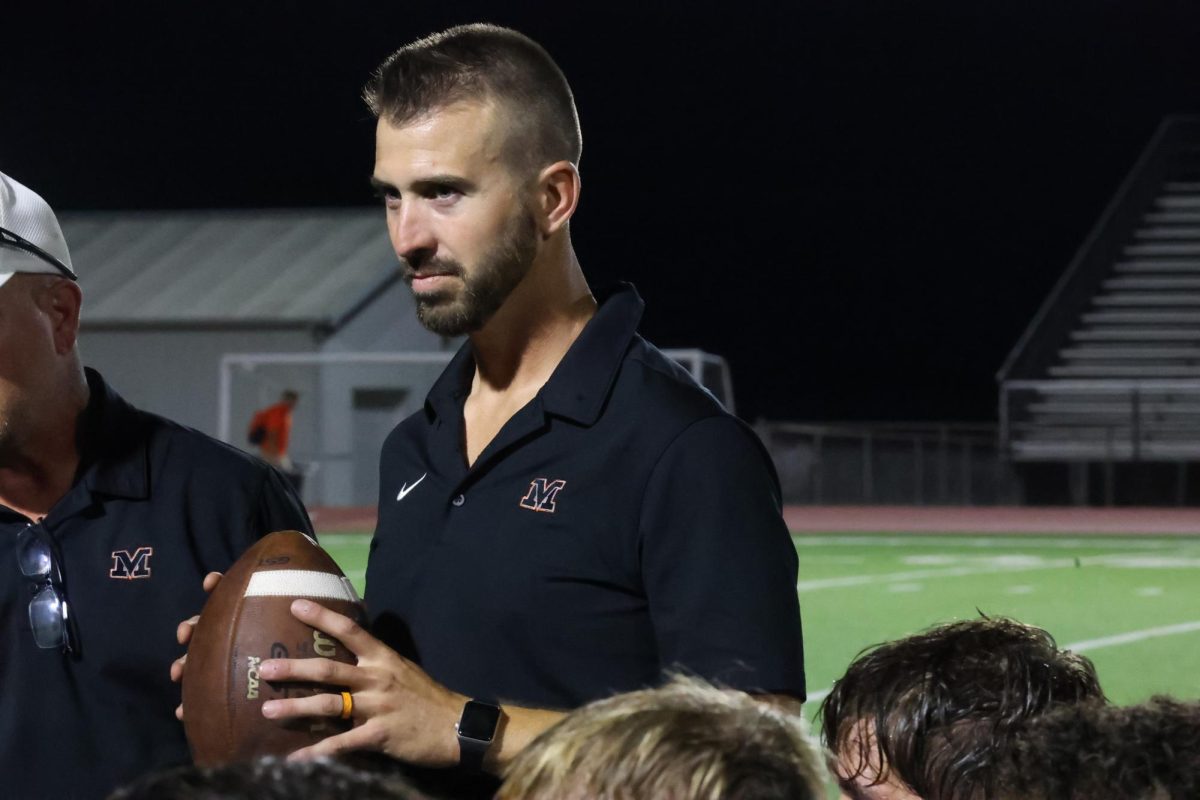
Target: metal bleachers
x: 1109, y: 370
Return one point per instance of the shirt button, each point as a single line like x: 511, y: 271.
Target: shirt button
x: 458, y: 501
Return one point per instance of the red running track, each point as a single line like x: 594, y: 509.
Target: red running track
x: 913, y: 519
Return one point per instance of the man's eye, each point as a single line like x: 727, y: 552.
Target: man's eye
x: 387, y: 196
x: 443, y: 192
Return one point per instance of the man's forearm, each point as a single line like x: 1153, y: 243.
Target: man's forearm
x: 517, y: 728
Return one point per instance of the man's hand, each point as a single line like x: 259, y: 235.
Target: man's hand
x: 398, y: 709
x: 183, y: 635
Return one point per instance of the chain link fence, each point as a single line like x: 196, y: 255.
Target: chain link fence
x: 890, y: 463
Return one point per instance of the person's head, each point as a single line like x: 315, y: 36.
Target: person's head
x: 925, y: 716
x: 39, y: 315
x: 685, y: 741
x: 289, y: 398
x: 1093, y: 751
x: 269, y: 779
x: 476, y: 157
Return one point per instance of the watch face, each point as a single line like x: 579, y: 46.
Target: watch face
x: 478, y: 721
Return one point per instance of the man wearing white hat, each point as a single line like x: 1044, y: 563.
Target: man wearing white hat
x: 112, y: 517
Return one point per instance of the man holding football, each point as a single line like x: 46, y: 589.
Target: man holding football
x: 111, y: 516
x: 570, y: 514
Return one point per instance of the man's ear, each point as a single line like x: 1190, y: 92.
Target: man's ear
x: 558, y: 196
x: 61, y: 300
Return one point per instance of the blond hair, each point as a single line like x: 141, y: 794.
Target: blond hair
x: 685, y: 741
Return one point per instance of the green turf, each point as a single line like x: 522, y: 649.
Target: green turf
x: 856, y: 590
x: 349, y: 550
x: 1077, y: 588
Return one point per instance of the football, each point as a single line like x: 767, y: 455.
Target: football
x: 246, y: 620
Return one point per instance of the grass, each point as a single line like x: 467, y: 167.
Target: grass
x: 856, y: 590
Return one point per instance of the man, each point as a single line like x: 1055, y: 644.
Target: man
x: 1149, y: 751
x: 110, y: 516
x: 928, y: 717
x: 686, y: 740
x: 271, y: 429
x: 570, y: 513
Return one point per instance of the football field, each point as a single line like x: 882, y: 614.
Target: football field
x: 1131, y: 604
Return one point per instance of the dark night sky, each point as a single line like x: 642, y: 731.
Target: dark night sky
x: 860, y: 204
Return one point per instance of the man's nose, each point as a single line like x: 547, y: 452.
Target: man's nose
x: 412, y: 236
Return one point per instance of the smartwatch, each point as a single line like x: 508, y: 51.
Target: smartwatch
x: 476, y: 729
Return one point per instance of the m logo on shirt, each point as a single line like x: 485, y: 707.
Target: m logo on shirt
x: 128, y: 565
x: 541, y: 494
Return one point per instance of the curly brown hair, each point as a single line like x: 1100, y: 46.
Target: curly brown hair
x: 936, y: 708
x: 1149, y: 751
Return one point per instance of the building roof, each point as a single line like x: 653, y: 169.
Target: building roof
x: 277, y: 268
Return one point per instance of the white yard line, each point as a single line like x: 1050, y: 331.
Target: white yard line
x: 1133, y: 636
x: 1176, y: 560
x: 925, y: 574
x: 988, y: 542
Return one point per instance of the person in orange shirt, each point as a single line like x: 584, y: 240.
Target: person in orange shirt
x: 271, y: 428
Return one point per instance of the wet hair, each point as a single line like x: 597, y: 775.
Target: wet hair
x: 478, y: 63
x: 1149, y: 751
x: 271, y: 779
x: 934, y: 709
x: 684, y: 741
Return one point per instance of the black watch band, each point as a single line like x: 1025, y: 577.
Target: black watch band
x: 476, y: 729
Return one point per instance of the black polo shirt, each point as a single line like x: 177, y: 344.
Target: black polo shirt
x: 153, y: 508
x: 621, y: 524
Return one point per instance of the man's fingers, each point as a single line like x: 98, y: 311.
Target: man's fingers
x: 364, y: 737
x: 311, y: 670
x: 347, y: 631
x: 179, y: 712
x: 319, y: 705
x: 211, y: 580
x: 177, y: 667
x: 183, y: 631
x: 183, y: 635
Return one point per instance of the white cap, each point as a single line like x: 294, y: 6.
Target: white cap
x: 25, y: 213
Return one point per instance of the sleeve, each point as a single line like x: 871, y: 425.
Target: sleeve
x: 278, y: 508
x: 718, y: 562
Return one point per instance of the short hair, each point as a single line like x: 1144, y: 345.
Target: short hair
x: 476, y: 63
x: 290, y: 394
x: 935, y: 708
x: 271, y: 779
x: 686, y: 741
x: 1149, y: 751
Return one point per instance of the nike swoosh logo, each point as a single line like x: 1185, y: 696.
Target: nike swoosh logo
x: 405, y: 489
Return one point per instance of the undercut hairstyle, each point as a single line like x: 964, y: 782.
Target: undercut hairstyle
x: 1149, y: 751
x: 936, y: 709
x: 478, y: 63
x: 274, y: 779
x: 684, y: 741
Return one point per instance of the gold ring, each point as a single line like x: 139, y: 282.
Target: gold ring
x: 347, y: 705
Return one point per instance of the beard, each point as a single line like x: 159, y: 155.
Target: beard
x: 485, y: 286
x: 14, y: 427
